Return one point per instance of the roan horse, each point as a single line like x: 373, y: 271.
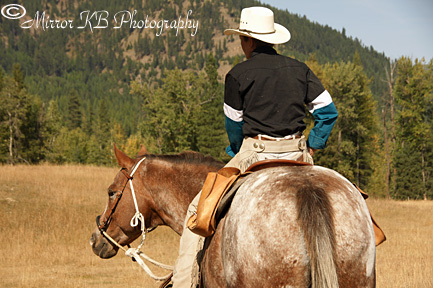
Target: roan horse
x: 301, y: 226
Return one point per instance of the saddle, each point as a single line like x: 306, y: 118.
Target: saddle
x: 218, y: 191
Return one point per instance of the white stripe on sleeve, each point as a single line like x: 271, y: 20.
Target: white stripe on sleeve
x: 233, y: 114
x: 321, y: 101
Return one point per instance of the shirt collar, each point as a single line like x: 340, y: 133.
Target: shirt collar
x: 264, y: 49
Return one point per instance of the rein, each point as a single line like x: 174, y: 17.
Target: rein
x: 134, y: 253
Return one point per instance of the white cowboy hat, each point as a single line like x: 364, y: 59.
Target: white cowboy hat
x: 258, y: 23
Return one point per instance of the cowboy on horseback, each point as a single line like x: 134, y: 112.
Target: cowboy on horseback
x: 264, y: 105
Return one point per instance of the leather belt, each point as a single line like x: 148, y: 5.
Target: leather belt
x: 283, y: 146
x: 276, y: 139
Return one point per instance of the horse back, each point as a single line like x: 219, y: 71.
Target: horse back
x: 263, y: 243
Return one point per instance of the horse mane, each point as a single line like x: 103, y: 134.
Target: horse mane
x: 189, y: 157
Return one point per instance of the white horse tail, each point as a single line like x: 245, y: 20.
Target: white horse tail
x: 315, y: 215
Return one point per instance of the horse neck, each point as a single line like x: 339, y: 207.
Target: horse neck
x: 173, y: 186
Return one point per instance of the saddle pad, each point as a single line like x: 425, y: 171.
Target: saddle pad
x: 226, y: 201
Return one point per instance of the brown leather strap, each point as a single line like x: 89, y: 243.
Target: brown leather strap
x: 126, y: 174
x: 378, y: 232
x: 166, y: 282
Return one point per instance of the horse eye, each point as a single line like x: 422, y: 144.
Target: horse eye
x: 111, y: 193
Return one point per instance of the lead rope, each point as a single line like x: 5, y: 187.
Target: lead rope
x: 135, y: 253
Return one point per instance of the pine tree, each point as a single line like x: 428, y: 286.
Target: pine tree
x: 389, y: 128
x: 413, y: 94
x: 32, y: 144
x: 51, y: 129
x: 3, y: 128
x: 1, y: 78
x: 18, y: 76
x: 74, y: 110
x: 177, y: 114
x: 164, y: 112
x: 101, y: 141
x: 14, y: 102
x: 349, y: 148
x: 89, y: 120
x: 211, y: 136
x: 71, y: 146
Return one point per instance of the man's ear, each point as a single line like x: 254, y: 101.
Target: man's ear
x: 252, y: 43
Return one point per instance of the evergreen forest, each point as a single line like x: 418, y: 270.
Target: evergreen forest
x: 157, y: 79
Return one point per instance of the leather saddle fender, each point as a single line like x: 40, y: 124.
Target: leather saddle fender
x: 216, y: 184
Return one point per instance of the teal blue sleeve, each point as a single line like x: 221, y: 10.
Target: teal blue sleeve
x: 324, y: 120
x: 235, y: 134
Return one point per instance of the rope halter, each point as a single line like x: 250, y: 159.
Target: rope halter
x: 135, y: 253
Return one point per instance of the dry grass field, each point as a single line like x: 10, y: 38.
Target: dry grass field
x: 47, y: 215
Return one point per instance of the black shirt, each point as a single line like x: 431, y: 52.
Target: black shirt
x: 270, y: 91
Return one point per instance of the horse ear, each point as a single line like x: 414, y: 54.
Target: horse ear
x: 122, y: 159
x: 143, y: 150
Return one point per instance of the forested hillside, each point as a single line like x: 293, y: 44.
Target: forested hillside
x: 69, y: 89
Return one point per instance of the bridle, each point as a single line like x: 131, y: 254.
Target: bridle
x: 104, y: 226
x: 134, y: 253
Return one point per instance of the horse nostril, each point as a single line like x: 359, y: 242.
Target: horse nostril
x: 92, y: 239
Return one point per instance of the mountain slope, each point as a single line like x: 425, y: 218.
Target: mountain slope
x: 99, y: 63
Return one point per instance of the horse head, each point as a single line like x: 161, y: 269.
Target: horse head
x: 116, y: 219
x: 163, y: 186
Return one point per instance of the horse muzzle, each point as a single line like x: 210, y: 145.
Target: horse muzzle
x: 101, y: 246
